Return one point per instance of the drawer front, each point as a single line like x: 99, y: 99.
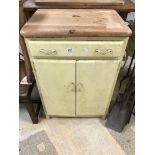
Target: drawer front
x: 75, y: 48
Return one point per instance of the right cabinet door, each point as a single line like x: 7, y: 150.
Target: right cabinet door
x: 95, y: 80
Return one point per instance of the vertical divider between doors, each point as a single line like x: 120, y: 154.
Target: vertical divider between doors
x: 75, y: 84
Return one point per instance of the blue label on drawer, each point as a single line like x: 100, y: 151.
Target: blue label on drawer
x: 69, y: 50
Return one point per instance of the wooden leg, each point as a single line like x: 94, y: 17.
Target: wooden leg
x: 22, y: 21
x: 28, y: 67
x: 31, y: 111
x: 38, y: 108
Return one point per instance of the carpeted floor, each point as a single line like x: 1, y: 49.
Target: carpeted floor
x: 126, y: 139
x: 37, y: 144
x: 79, y: 136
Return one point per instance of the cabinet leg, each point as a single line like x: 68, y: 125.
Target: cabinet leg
x: 103, y: 117
x: 47, y: 116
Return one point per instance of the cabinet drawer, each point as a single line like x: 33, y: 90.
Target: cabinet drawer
x: 75, y: 48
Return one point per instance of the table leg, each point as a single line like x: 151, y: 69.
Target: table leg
x: 31, y: 111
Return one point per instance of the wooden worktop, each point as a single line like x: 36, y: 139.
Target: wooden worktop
x: 75, y: 23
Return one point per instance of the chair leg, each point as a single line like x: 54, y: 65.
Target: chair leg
x: 31, y: 111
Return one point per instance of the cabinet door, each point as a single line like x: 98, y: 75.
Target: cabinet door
x: 94, y: 86
x: 56, y: 81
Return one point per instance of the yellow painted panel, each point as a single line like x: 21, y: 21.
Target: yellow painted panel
x: 56, y: 79
x: 47, y: 49
x: 94, y: 85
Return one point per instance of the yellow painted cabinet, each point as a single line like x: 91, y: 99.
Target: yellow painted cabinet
x: 56, y: 81
x: 76, y: 60
x: 95, y: 80
x: 76, y: 88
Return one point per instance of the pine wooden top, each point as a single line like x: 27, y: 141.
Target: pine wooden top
x: 79, y: 2
x: 75, y: 23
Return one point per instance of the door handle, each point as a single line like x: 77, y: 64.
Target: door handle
x: 48, y: 52
x: 71, y: 87
x: 104, y: 52
x: 79, y: 87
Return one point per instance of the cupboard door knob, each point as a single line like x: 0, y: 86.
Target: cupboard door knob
x: 71, y: 87
x: 79, y: 87
x: 48, y: 52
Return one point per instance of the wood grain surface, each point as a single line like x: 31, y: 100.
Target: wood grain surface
x: 75, y: 23
x: 79, y: 2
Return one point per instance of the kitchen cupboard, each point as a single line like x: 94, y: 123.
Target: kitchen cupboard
x: 73, y: 87
x: 76, y: 59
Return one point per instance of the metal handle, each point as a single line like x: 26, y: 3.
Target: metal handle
x: 104, y: 52
x: 48, y: 52
x: 71, y: 87
x: 79, y: 87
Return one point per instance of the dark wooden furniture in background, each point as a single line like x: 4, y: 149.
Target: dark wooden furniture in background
x: 22, y: 21
x: 25, y: 91
x: 79, y: 2
x: 30, y: 7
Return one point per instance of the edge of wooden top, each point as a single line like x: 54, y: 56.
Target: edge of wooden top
x: 55, y: 32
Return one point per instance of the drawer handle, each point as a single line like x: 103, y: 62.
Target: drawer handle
x: 104, y: 52
x: 48, y: 52
x: 79, y: 87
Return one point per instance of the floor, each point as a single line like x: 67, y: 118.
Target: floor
x: 80, y: 136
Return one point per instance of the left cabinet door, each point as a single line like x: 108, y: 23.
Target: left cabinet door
x: 56, y: 82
